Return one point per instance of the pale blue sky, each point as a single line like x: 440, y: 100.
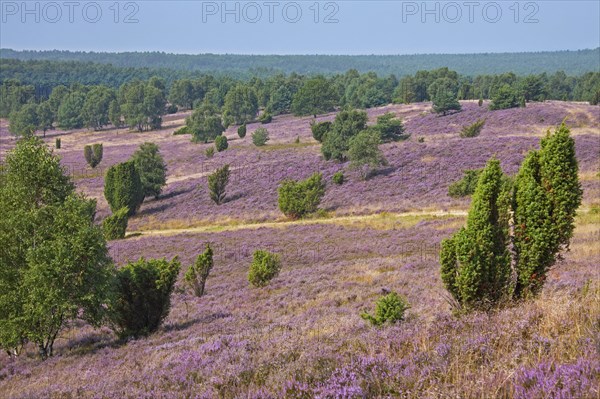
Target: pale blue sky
x: 362, y: 27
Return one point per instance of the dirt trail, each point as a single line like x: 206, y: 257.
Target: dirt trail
x: 287, y: 223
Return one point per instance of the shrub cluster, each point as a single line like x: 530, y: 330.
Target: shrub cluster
x: 123, y: 187
x: 388, y: 309
x: 182, y: 130
x: 260, y: 137
x: 221, y: 143
x: 338, y: 178
x: 115, y: 226
x: 241, y: 131
x: 93, y: 154
x: 264, y: 267
x: 319, y: 129
x: 466, y: 185
x: 472, y: 130
x: 266, y: 118
x: 197, y: 274
x: 217, y: 182
x: 143, y: 296
x: 515, y: 229
x: 209, y: 152
x: 300, y: 198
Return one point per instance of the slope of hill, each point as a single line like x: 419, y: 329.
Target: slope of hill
x: 302, y: 335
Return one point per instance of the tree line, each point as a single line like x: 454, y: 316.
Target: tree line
x: 140, y: 104
x: 572, y: 62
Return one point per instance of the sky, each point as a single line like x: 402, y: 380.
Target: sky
x: 301, y: 27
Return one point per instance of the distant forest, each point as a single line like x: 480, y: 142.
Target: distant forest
x: 571, y: 62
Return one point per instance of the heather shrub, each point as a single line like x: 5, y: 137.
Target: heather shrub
x: 197, y: 273
x: 338, y: 178
x: 266, y: 118
x: 217, y: 182
x: 152, y: 169
x: 143, y: 296
x: 389, y: 308
x: 210, y: 152
x: 300, y: 198
x: 264, y: 267
x: 123, y: 187
x: 221, y: 143
x: 182, y: 130
x: 466, y: 185
x: 93, y: 154
x: 472, y: 130
x: 115, y: 226
x: 57, y: 143
x: 241, y: 131
x: 260, y: 137
x: 421, y: 139
x: 319, y: 130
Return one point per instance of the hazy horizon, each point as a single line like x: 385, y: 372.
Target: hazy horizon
x: 302, y: 28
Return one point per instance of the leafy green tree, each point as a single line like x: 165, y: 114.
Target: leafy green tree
x: 115, y: 225
x: 260, y: 137
x: 532, y: 88
x: 475, y: 262
x: 143, y: 296
x: 25, y: 121
x: 184, y: 93
x: 13, y: 95
x: 197, y: 274
x: 205, y: 123
x: 281, y: 99
x: 57, y: 96
x: 388, y: 309
x: 55, y: 264
x: 114, y: 114
x: 390, y: 128
x: 45, y: 117
x: 346, y: 125
x: 142, y: 105
x: 364, y: 152
x: 221, y: 143
x: 151, y: 168
x: 504, y: 98
x: 123, y: 187
x: 95, y: 112
x: 300, y: 198
x: 443, y: 85
x: 241, y: 104
x: 547, y: 196
x: 93, y: 154
x: 265, y: 266
x: 70, y: 112
x: 217, y: 183
x: 316, y: 96
x: 405, y: 91
x: 444, y: 102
